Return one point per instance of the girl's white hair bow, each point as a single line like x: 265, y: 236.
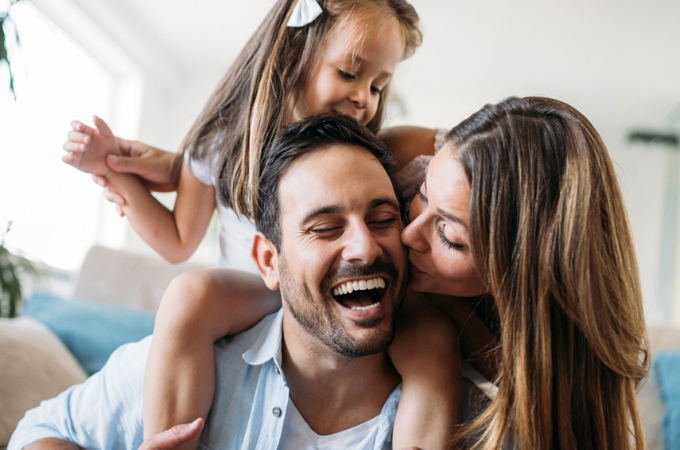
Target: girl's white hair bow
x: 304, y: 13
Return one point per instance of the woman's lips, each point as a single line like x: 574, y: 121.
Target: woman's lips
x: 415, y: 269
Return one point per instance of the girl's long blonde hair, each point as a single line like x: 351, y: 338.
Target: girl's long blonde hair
x: 551, y: 240
x: 255, y: 95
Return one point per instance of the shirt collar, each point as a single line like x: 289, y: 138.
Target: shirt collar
x: 268, y: 344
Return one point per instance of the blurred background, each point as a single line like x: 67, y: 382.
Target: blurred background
x: 148, y: 66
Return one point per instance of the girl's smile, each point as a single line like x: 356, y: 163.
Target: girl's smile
x: 351, y: 69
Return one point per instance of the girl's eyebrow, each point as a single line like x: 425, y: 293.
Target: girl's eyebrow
x: 356, y: 59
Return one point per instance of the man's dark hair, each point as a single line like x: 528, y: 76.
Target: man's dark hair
x: 298, y: 139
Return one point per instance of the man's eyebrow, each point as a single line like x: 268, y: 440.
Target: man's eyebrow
x: 332, y: 209
x: 384, y: 201
x: 452, y: 217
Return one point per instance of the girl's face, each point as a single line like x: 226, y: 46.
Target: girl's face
x: 438, y: 236
x: 354, y: 65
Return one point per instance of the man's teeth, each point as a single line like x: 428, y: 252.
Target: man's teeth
x: 363, y: 285
x: 366, y: 308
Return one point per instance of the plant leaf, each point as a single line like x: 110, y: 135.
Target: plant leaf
x: 3, y: 50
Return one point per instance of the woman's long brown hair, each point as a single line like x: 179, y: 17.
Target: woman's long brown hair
x: 253, y: 98
x: 551, y: 240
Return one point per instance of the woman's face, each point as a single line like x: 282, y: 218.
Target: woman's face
x: 438, y: 236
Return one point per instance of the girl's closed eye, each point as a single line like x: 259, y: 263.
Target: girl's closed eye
x: 346, y: 75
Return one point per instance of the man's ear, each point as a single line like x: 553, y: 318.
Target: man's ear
x: 266, y: 258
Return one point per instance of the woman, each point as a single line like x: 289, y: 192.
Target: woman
x: 523, y: 203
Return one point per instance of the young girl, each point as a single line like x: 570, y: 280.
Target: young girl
x: 304, y: 59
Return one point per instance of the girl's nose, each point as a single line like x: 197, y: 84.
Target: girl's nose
x: 361, y: 95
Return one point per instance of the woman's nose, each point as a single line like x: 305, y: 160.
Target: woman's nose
x: 413, y: 236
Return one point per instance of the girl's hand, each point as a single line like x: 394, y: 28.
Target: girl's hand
x: 174, y: 437
x: 88, y: 147
x: 158, y: 169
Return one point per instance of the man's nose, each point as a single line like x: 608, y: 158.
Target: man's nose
x: 360, y: 245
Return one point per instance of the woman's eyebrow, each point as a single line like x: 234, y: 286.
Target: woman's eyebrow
x: 452, y: 217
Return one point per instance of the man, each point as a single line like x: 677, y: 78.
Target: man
x: 329, y: 226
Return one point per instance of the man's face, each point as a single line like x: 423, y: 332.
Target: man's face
x: 342, y: 265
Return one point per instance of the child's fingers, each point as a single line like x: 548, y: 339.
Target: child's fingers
x: 68, y: 158
x: 175, y: 436
x: 77, y: 136
x: 101, y: 181
x: 113, y: 197
x: 102, y: 126
x: 71, y: 146
x: 81, y: 127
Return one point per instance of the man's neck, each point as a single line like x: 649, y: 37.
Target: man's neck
x: 334, y: 392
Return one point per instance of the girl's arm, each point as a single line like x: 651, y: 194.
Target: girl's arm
x: 173, y: 234
x: 425, y: 353
x: 407, y: 142
x: 198, y: 308
x: 479, y: 346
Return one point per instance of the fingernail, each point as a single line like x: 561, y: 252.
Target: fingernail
x: 113, y: 159
x: 81, y: 146
x: 86, y: 139
x: 194, y: 424
x: 99, y: 181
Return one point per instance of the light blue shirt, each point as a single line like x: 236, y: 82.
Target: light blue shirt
x: 248, y: 411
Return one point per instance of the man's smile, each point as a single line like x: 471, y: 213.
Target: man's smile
x: 362, y: 296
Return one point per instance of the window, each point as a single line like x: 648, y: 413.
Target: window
x: 57, y: 212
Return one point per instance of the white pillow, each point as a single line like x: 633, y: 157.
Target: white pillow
x: 34, y: 366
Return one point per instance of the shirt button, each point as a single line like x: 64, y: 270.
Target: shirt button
x: 276, y: 411
x: 276, y: 369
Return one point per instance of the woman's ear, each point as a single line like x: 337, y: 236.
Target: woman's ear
x: 266, y: 258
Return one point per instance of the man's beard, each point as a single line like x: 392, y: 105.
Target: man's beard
x: 314, y: 311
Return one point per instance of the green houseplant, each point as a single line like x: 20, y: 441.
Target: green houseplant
x: 13, y: 270
x: 4, y: 54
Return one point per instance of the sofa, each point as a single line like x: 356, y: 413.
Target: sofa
x: 58, y: 342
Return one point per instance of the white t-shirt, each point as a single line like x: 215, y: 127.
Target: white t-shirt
x: 297, y: 435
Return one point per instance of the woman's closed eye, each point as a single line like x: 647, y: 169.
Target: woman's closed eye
x: 442, y: 236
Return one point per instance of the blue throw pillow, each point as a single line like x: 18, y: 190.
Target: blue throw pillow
x: 667, y: 370
x: 90, y: 331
